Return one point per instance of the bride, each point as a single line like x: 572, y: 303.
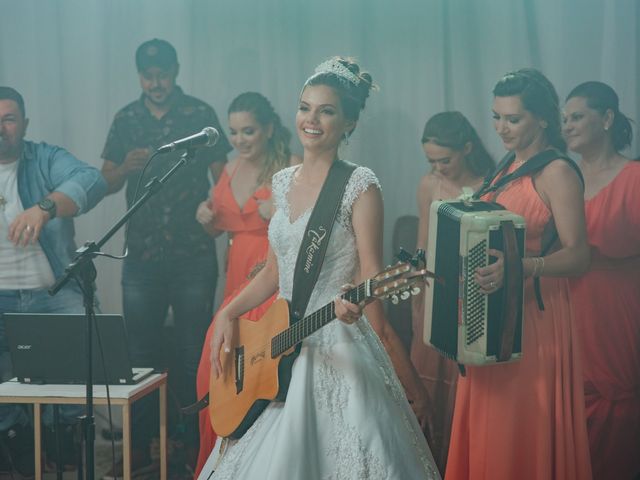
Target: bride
x: 346, y: 415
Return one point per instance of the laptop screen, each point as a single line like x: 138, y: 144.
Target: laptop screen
x: 51, y: 348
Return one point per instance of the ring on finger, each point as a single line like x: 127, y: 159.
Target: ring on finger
x: 28, y: 228
x: 492, y: 284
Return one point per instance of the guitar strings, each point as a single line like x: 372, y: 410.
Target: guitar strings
x: 291, y: 335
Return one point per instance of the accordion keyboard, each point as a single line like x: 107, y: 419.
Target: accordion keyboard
x: 476, y: 305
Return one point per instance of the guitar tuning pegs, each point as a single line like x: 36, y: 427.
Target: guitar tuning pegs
x: 415, y: 291
x: 403, y: 255
x: 394, y: 299
x: 405, y: 294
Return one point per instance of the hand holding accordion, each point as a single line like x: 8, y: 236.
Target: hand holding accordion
x: 473, y: 317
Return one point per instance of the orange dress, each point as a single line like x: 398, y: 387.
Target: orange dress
x: 248, y: 246
x: 607, y: 304
x: 526, y: 420
x: 247, y: 231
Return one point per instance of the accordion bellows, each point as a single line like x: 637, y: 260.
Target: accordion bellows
x: 461, y: 322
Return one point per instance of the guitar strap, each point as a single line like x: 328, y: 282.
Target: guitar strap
x: 312, y: 248
x: 531, y: 166
x: 316, y: 237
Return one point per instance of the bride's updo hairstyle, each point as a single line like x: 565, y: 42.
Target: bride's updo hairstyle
x: 351, y: 84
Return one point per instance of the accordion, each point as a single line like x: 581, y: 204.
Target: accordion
x: 461, y: 322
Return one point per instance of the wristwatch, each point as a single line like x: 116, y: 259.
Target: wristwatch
x: 48, y: 206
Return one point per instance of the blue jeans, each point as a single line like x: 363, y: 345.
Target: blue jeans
x: 68, y: 300
x: 186, y: 285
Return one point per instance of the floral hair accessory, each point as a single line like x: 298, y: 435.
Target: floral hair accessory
x: 334, y: 66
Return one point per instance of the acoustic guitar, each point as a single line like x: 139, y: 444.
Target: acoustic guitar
x: 257, y: 370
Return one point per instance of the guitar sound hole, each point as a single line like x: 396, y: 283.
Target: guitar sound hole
x: 239, y: 360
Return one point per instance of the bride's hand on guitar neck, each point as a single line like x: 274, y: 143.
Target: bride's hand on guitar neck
x: 346, y: 311
x: 223, y: 338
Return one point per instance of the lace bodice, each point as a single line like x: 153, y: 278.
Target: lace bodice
x: 341, y: 260
x: 346, y: 415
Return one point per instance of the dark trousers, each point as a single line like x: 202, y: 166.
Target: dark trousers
x: 149, y: 288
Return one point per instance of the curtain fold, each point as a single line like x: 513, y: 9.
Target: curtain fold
x: 73, y: 60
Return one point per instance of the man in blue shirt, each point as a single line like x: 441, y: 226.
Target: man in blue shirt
x: 41, y: 188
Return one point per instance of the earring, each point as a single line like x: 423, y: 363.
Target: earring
x: 606, y: 128
x: 346, y: 138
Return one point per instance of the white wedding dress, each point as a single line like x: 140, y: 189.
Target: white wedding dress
x: 346, y: 416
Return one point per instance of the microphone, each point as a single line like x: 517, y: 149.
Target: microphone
x: 208, y: 137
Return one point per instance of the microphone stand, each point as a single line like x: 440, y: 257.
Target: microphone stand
x: 83, y: 270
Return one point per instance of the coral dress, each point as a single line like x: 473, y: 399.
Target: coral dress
x: 247, y: 230
x: 248, y: 246
x: 607, y: 305
x: 346, y: 415
x: 526, y: 420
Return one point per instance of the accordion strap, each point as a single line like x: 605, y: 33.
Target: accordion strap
x: 316, y: 236
x: 513, y: 291
x: 531, y: 166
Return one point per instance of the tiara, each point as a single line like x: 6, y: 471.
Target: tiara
x: 334, y: 66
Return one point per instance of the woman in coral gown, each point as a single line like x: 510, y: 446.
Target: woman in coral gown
x: 458, y: 159
x: 526, y: 419
x: 240, y: 205
x: 607, y: 298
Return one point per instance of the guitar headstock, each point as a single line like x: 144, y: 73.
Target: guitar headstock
x: 400, y: 281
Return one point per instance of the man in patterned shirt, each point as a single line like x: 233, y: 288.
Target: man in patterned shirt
x: 171, y: 260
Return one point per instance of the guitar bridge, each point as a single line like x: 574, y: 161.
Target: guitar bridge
x: 239, y: 361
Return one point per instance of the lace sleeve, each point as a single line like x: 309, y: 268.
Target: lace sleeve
x: 361, y: 180
x: 279, y: 186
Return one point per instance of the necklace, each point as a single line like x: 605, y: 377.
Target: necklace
x: 518, y: 163
x: 7, y: 176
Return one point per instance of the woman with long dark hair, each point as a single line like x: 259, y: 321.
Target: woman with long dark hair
x: 607, y: 297
x: 526, y: 419
x: 457, y: 159
x: 240, y: 206
x: 345, y: 415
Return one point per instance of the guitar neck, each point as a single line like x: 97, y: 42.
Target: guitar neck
x: 312, y: 323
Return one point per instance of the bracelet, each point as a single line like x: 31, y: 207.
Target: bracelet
x: 538, y: 266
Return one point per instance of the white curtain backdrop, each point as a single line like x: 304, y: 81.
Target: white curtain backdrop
x: 73, y: 61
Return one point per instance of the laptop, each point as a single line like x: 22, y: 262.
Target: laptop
x: 50, y: 348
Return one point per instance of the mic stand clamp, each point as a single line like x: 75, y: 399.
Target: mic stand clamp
x: 83, y: 270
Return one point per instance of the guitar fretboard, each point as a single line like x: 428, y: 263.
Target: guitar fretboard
x: 315, y: 321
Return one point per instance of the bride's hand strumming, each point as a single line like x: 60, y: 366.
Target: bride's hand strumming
x: 222, y: 339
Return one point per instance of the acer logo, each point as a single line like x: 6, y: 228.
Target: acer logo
x: 24, y: 347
